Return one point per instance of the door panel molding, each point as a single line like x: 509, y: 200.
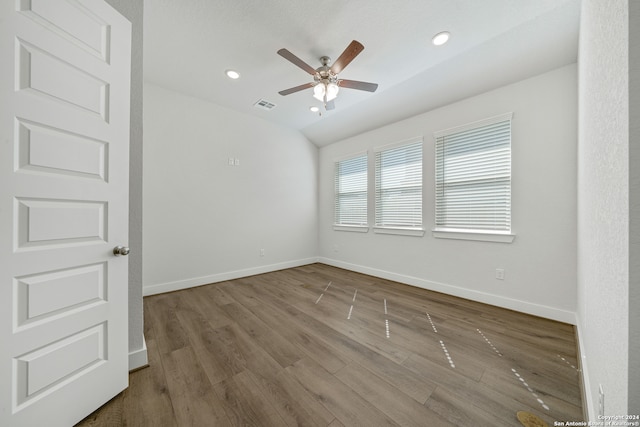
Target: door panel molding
x: 64, y: 198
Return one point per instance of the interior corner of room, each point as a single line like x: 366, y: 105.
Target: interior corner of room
x: 571, y: 161
x: 231, y: 175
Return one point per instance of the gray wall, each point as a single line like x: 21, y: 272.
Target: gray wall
x: 133, y: 11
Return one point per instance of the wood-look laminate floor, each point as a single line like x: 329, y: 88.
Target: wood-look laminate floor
x: 321, y: 346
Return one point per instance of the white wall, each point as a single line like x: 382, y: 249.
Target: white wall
x: 634, y: 207
x: 603, y: 208
x: 540, y: 265
x: 206, y: 221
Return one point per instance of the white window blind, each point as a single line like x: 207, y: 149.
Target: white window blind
x: 399, y: 186
x: 473, y: 176
x: 351, y: 191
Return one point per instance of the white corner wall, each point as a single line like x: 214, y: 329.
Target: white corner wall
x: 205, y: 220
x: 634, y: 207
x: 603, y: 205
x: 540, y: 265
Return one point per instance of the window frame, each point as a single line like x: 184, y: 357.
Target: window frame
x: 359, y: 228
x: 479, y: 234
x: 379, y: 228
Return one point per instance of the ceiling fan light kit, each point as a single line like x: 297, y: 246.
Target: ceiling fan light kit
x: 326, y: 84
x: 322, y: 89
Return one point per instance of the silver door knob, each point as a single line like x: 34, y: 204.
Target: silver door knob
x: 120, y: 250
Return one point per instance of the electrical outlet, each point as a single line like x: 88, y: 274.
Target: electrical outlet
x: 237, y: 162
x: 500, y: 273
x: 600, y: 401
x: 261, y: 252
x: 231, y: 161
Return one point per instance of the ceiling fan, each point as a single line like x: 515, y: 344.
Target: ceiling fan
x: 326, y: 83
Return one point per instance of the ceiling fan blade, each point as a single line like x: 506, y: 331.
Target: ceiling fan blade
x: 295, y: 89
x: 354, y: 84
x: 297, y: 61
x: 330, y: 105
x: 347, y: 56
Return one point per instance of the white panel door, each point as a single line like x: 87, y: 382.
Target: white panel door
x: 64, y: 155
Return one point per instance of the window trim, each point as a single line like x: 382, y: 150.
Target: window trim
x: 398, y: 230
x: 473, y: 125
x: 474, y: 234
x: 352, y: 228
x: 477, y: 235
x: 360, y: 228
x: 398, y: 144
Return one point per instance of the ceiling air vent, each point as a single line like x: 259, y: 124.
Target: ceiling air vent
x: 265, y: 105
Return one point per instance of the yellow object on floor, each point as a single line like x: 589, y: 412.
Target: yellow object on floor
x: 527, y: 419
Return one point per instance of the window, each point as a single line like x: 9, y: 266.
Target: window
x: 473, y: 178
x: 399, y: 187
x: 351, y: 192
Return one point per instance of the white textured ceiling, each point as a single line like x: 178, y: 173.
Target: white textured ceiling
x: 188, y: 45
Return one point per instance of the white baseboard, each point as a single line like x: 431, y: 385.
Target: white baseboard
x: 221, y: 277
x: 497, y: 300
x: 492, y: 299
x: 588, y: 406
x: 138, y: 358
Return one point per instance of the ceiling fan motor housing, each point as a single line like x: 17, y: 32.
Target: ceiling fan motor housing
x: 324, y: 73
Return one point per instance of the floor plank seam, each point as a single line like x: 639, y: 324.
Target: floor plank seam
x: 322, y: 346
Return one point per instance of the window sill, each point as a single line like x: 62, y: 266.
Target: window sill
x: 418, y: 232
x: 352, y: 228
x: 478, y: 235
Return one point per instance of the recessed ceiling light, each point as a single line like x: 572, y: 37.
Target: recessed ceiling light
x: 314, y: 109
x: 232, y: 74
x: 441, y: 38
